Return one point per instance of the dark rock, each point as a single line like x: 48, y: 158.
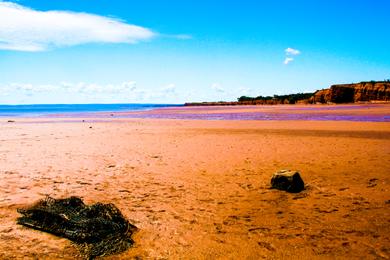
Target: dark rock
x: 372, y: 182
x: 11, y: 121
x: 287, y: 180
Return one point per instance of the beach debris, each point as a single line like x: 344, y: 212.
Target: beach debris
x: 266, y: 245
x: 11, y: 121
x: 372, y: 182
x: 287, y: 180
x: 96, y: 230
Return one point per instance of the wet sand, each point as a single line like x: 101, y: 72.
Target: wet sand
x: 348, y: 112
x: 199, y: 189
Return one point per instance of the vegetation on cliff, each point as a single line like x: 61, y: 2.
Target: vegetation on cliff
x: 285, y: 99
x: 365, y: 91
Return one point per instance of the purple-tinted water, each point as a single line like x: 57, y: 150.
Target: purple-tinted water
x: 343, y: 113
x: 263, y: 116
x: 238, y: 116
x: 292, y: 107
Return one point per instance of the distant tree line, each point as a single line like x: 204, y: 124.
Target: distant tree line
x: 375, y: 81
x: 290, y: 99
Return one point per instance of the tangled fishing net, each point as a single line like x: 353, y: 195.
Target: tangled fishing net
x: 96, y: 230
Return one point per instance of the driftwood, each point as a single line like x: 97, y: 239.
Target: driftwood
x: 96, y: 230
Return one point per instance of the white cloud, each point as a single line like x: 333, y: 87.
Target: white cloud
x: 91, y: 88
x: 170, y: 88
x: 292, y: 52
x: 161, y: 93
x: 289, y: 53
x: 79, y: 87
x: 217, y: 87
x: 129, y: 85
x: 25, y: 29
x: 287, y: 60
x: 29, y: 88
x: 21, y: 87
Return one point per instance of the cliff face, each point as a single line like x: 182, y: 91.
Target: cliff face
x: 349, y: 93
x: 372, y: 91
x: 321, y: 96
x: 341, y: 93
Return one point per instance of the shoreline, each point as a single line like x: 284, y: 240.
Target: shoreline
x: 350, y: 112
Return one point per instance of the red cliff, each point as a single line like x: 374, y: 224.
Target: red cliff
x: 350, y: 93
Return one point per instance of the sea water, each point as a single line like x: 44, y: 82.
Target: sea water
x: 51, y: 109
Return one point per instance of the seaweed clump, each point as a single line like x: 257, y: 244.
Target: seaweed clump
x: 96, y: 230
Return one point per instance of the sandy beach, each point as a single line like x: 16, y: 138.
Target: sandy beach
x: 199, y: 189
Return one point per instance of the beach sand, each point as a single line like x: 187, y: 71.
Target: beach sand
x: 199, y: 189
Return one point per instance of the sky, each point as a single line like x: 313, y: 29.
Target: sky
x: 160, y: 51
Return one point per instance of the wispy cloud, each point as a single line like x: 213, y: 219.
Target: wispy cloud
x: 27, y: 88
x: 25, y: 29
x: 85, y: 88
x: 289, y: 53
x: 217, y: 87
x: 158, y: 94
x: 170, y: 88
x: 287, y: 60
x: 176, y: 36
x: 79, y: 87
x: 127, y: 90
x: 183, y: 36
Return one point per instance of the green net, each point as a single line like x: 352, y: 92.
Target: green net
x: 96, y: 230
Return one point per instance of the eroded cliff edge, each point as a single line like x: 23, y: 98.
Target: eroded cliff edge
x: 372, y: 91
x: 352, y: 93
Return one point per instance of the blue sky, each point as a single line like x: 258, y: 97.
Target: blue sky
x: 82, y: 51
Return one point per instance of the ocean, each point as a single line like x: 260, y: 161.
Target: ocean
x: 49, y: 109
